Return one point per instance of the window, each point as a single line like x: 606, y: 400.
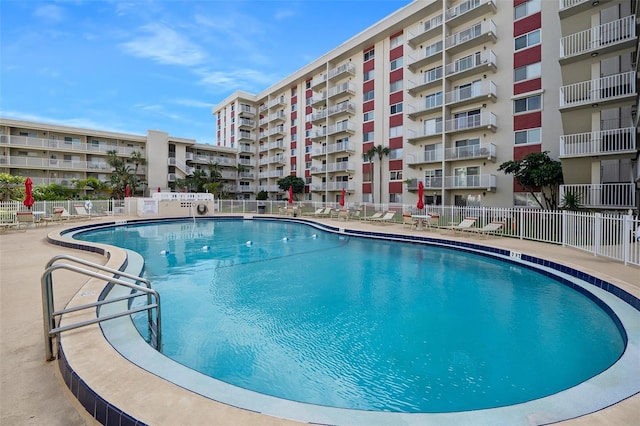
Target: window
x: 395, y: 131
x: 396, y: 63
x: 308, y: 149
x: 395, y: 154
x: 434, y: 100
x: 369, y: 95
x: 368, y: 75
x: 433, y: 74
x: 308, y: 84
x: 525, y: 9
x: 527, y: 72
x: 433, y: 49
x: 432, y: 152
x: 294, y: 152
x: 396, y: 41
x: 528, y: 136
x: 367, y: 116
x: 395, y: 86
x: 307, y: 165
x: 467, y: 62
x: 294, y: 107
x: 395, y: 198
x: 369, y: 54
x: 368, y: 137
x: 433, y: 126
x: 396, y: 109
x: 527, y: 40
x: 531, y: 103
x: 395, y: 175
x: 294, y: 122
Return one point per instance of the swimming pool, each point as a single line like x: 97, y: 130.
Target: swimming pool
x: 292, y: 252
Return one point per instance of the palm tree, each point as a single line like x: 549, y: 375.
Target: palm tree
x: 137, y: 159
x: 380, y: 151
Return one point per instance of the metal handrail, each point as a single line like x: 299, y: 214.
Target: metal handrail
x: 49, y: 314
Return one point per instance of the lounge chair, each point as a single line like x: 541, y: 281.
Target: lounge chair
x: 25, y: 219
x: 408, y: 220
x: 318, y: 212
x: 343, y: 214
x: 355, y: 214
x: 56, y: 216
x: 81, y: 212
x: 489, y: 228
x: 465, y: 225
x: 8, y: 220
x: 434, y: 220
x: 375, y: 216
x: 388, y: 217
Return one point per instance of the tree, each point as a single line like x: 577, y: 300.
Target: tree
x: 11, y: 187
x: 98, y: 187
x: 138, y: 160
x: 120, y: 175
x: 537, y: 171
x: 293, y: 181
x: 380, y: 151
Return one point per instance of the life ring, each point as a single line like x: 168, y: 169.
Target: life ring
x: 88, y: 205
x: 202, y: 209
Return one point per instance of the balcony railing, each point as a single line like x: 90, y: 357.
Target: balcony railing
x: 610, y: 88
x: 430, y: 54
x: 248, y: 110
x: 593, y: 40
x: 483, y: 91
x: 472, y: 64
x: 317, y: 116
x: 428, y: 78
x: 485, y: 151
x: 430, y: 130
x: 341, y: 89
x: 278, y: 130
x: 428, y: 104
x: 469, y: 9
x: 246, y: 122
x: 432, y: 156
x: 60, y: 145
x: 280, y: 100
x: 470, y: 122
x: 246, y: 136
x: 604, y: 195
x: 342, y: 166
x: 277, y: 159
x: 480, y: 32
x: 318, y: 81
x: 342, y: 107
x: 332, y: 186
x: 423, y: 31
x: 605, y: 142
x: 343, y: 70
x: 340, y: 147
x: 280, y: 115
x: 277, y: 145
x: 345, y: 126
x: 487, y: 182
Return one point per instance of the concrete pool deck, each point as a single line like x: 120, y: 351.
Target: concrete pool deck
x: 34, y: 393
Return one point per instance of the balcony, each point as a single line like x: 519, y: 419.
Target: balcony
x: 245, y: 175
x: 246, y: 111
x: 66, y: 146
x: 430, y: 54
x: 474, y: 93
x: 318, y: 133
x: 605, y: 142
x: 332, y: 186
x: 480, y: 33
x: 342, y: 127
x: 484, y: 182
x: 342, y: 166
x: 424, y: 31
x: 316, y: 116
x: 428, y: 183
x: 277, y: 145
x: 432, y: 156
x: 472, y: 122
x: 430, y: 78
x: 278, y: 130
x: 472, y: 64
x: 246, y: 162
x: 269, y: 188
x: 433, y: 129
x: 317, y: 99
x: 278, y: 116
x: 602, y: 196
x: 601, y: 91
x: 319, y: 82
x: 342, y: 71
x: 277, y: 102
x: 468, y: 10
x: 246, y: 136
x: 246, y: 122
x: 485, y: 151
x: 245, y: 188
x: 346, y: 88
x: 571, y: 7
x: 275, y: 174
x: 429, y: 105
x: 333, y: 148
x: 612, y: 36
x: 263, y: 121
x: 245, y: 148
x: 342, y: 108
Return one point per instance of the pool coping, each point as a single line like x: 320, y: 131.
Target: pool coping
x: 607, y: 388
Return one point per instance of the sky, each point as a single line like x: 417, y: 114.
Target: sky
x: 135, y: 65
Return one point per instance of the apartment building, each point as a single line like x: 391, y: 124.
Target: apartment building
x: 453, y: 89
x: 63, y: 155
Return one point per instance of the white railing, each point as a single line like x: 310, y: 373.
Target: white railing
x: 280, y: 115
x: 595, y: 38
x: 486, y: 57
x: 475, y: 31
x: 465, y: 7
x: 340, y: 147
x: 246, y: 122
x: 345, y: 126
x: 484, y: 89
x: 566, y: 4
x: 333, y: 186
x: 616, y: 141
x: 593, y: 91
x: 470, y: 181
x: 422, y: 28
x: 346, y: 87
x: 430, y: 156
x: 56, y: 144
x: 604, y: 195
x: 278, y: 130
x: 348, y: 67
x: 471, y: 122
x: 485, y: 150
x: 246, y: 109
x: 343, y: 107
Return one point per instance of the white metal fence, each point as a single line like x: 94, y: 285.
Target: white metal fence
x: 612, y: 235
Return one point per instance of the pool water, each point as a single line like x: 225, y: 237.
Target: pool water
x: 290, y: 311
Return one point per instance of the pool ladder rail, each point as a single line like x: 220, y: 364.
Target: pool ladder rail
x: 49, y: 313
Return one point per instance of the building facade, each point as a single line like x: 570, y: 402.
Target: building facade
x: 449, y: 91
x: 446, y: 90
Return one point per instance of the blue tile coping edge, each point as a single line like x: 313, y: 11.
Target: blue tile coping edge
x: 105, y: 413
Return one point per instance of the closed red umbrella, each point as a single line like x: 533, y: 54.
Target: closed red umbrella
x: 291, y: 195
x: 127, y: 191
x: 420, y: 205
x: 28, y: 189
x: 342, y: 198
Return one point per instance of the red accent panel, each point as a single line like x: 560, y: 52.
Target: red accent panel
x: 308, y: 125
x: 367, y: 127
x: 369, y: 65
x: 294, y: 144
x: 308, y: 109
x: 395, y: 164
x: 395, y: 53
x: 395, y: 120
x: 527, y: 121
x: 527, y: 56
x: 519, y: 152
x: 294, y: 130
x: 294, y: 115
x: 233, y: 113
x: 291, y: 162
x: 396, y: 75
x: 366, y: 188
x: 530, y: 23
x: 307, y: 157
x: 307, y: 173
x: 527, y: 86
x: 367, y: 86
x: 233, y: 126
x: 395, y: 143
x: 395, y: 187
x: 396, y: 97
x: 368, y: 106
x: 518, y: 2
x: 396, y: 34
x: 294, y: 99
x: 366, y: 147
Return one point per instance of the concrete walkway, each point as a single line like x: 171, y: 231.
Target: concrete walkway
x: 32, y: 392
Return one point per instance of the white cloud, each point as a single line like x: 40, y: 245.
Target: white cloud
x: 164, y: 45
x: 246, y: 79
x: 192, y: 103
x: 50, y: 13
x: 283, y: 14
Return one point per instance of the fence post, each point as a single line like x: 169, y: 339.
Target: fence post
x: 564, y: 228
x: 597, y: 240
x: 627, y: 229
x: 519, y: 224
